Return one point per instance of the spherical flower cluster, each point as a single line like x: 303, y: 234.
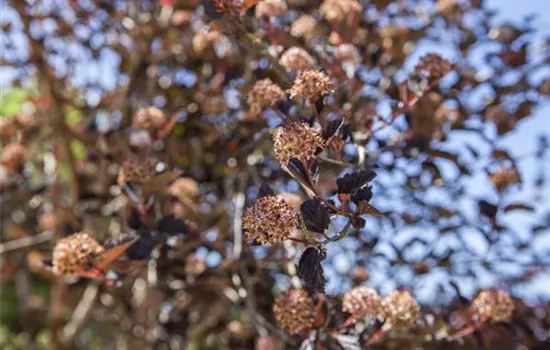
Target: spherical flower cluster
x: 495, y: 305
x: 361, y: 302
x: 400, y: 309
x: 149, y: 118
x: 271, y: 8
x: 269, y: 220
x: 338, y: 10
x: 184, y: 188
x: 504, y: 177
x: 264, y: 94
x: 14, y: 155
x: 202, y: 40
x: 74, y: 251
x: 295, y: 310
x: 296, y: 59
x: 311, y: 84
x: 194, y: 265
x: 296, y: 140
x: 303, y: 26
x: 137, y: 168
x: 434, y: 67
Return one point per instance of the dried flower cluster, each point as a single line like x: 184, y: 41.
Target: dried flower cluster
x: 294, y: 310
x: 296, y: 140
x: 149, y: 118
x: 271, y: 8
x: 362, y: 302
x: 74, y: 251
x: 495, y: 305
x: 434, y: 67
x: 311, y: 84
x: 304, y: 27
x: 269, y: 220
x: 338, y: 10
x: 297, y: 59
x: 264, y: 94
x: 400, y: 309
x: 504, y: 177
x: 137, y: 168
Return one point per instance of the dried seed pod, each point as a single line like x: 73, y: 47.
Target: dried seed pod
x: 311, y: 84
x: 74, y: 251
x: 362, y: 302
x: 495, y: 305
x: 269, y: 220
x: 296, y: 59
x: 294, y: 310
x: 296, y: 140
x: 400, y: 309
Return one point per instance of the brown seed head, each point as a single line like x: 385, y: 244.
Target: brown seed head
x: 7, y: 128
x: 137, y: 168
x: 304, y: 26
x: 362, y: 302
x: 296, y: 59
x: 271, y: 8
x: 504, y: 177
x: 400, y: 309
x: 296, y: 140
x: 311, y: 84
x: 194, y: 265
x: 14, y: 155
x: 295, y: 310
x: 264, y: 94
x: 434, y: 67
x: 495, y: 305
x: 149, y: 118
x: 234, y: 8
x: 338, y: 10
x: 269, y: 220
x: 184, y: 188
x: 74, y: 251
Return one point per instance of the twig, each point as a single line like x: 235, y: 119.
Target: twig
x: 26, y: 242
x: 80, y: 314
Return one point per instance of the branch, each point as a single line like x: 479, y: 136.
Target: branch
x: 26, y: 242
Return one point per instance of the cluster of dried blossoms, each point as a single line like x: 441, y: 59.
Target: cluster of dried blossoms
x: 243, y: 92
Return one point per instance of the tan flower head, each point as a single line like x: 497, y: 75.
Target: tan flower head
x: 184, y: 188
x: 137, y: 168
x: 271, y: 8
x: 311, y: 84
x: 434, y: 67
x: 14, y: 155
x: 296, y: 59
x: 304, y: 26
x: 504, y: 177
x: 338, y: 10
x: 6, y: 127
x: 361, y: 302
x: 269, y: 220
x: 400, y: 309
x: 149, y: 118
x: 495, y: 305
x: 264, y: 94
x: 74, y: 251
x: 296, y: 140
x: 295, y: 310
x: 202, y: 40
x: 194, y: 265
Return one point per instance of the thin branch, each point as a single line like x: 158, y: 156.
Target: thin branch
x: 26, y: 242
